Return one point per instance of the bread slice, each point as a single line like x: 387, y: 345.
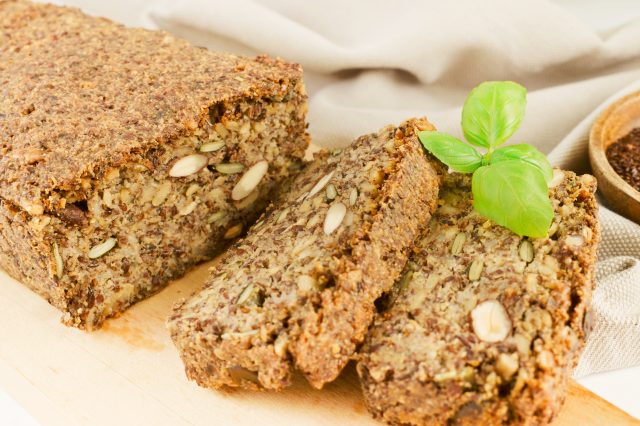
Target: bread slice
x: 299, y: 289
x: 485, y: 327
x: 128, y: 155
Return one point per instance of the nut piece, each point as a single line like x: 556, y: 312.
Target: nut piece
x: 211, y: 146
x: 525, y: 251
x: 58, y: 259
x: 334, y: 217
x: 306, y: 282
x: 575, y: 240
x: 125, y: 196
x: 161, y: 194
x: 111, y: 174
x: 239, y: 334
x: 107, y: 199
x: 280, y: 345
x: 240, y: 374
x: 193, y: 188
x: 443, y: 377
x: 229, y: 168
x: 102, y: 248
x: 32, y: 155
x: 475, y: 269
x: 544, y: 360
x: 321, y: 184
x: 458, y: 243
x: 558, y: 177
x: 348, y: 219
x: 490, y: 321
x: 507, y: 365
x: 188, y: 165
x: 331, y: 192
x: 233, y: 232
x: 250, y: 180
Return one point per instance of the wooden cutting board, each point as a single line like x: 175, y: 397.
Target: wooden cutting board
x: 129, y: 374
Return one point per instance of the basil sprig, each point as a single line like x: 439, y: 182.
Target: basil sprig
x: 510, y: 185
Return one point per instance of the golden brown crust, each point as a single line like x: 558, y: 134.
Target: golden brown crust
x: 314, y: 293
x: 81, y: 93
x: 432, y: 358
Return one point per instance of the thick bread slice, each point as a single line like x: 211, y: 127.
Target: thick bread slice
x: 300, y: 288
x: 485, y: 327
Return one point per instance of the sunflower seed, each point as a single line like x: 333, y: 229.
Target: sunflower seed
x: 250, y: 180
x: 331, y: 192
x: 353, y: 197
x: 211, y: 146
x: 102, y: 248
x: 58, y: 259
x: 233, y: 232
x: 229, y: 168
x: 475, y: 269
x: 458, y: 243
x: 334, y: 217
x: 321, y: 184
x: 188, y: 165
x: 526, y: 251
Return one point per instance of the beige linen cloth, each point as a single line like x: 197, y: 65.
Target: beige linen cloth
x: 371, y: 62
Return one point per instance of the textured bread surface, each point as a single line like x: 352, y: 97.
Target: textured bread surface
x: 296, y: 292
x: 124, y: 154
x: 434, y: 356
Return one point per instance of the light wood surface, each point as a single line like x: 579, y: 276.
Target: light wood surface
x: 129, y: 374
x: 615, y: 122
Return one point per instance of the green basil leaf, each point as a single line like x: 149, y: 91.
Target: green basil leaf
x: 492, y: 112
x: 456, y: 154
x: 527, y: 153
x: 513, y: 194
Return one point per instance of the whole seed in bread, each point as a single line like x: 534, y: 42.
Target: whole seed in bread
x: 129, y: 155
x: 485, y: 327
x: 299, y: 289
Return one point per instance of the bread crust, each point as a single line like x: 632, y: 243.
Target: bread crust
x: 84, y: 94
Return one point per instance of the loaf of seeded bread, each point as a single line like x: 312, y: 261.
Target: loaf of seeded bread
x: 129, y: 155
x: 485, y: 327
x: 299, y: 289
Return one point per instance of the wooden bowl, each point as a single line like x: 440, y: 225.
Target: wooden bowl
x: 616, y: 121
